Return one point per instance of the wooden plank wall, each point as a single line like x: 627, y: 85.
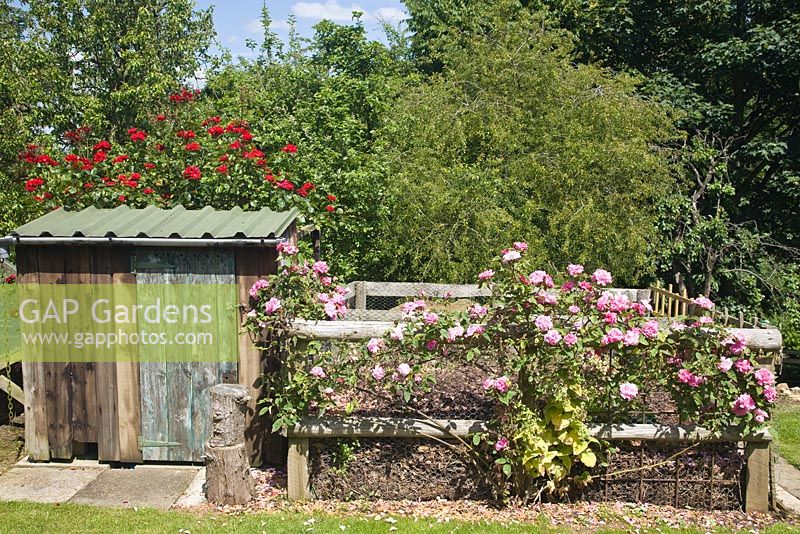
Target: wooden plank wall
x: 252, y: 264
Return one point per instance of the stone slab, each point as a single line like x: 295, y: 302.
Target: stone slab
x: 787, y: 476
x: 194, y: 494
x: 45, y: 484
x: 140, y: 488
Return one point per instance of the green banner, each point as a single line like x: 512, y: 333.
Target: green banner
x: 125, y: 322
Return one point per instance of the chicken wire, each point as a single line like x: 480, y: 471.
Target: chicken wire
x: 705, y: 477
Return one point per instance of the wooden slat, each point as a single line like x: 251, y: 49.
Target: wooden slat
x: 342, y: 330
x: 57, y: 374
x: 105, y: 374
x: 388, y: 427
x: 127, y: 366
x: 77, y: 268
x: 36, y: 441
x: 12, y: 389
x: 252, y: 264
x: 766, y: 339
x: 413, y: 289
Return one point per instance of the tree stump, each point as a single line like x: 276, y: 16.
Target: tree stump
x: 228, y: 479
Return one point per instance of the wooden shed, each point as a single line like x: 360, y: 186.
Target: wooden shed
x: 138, y: 411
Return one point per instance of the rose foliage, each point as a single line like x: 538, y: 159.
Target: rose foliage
x: 556, y: 353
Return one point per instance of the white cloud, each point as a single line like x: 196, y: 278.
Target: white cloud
x: 390, y: 14
x: 330, y: 10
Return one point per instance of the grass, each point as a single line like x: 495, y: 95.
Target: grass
x: 20, y: 518
x: 786, y: 430
x: 10, y: 446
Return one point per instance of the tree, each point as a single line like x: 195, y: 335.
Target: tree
x: 512, y: 141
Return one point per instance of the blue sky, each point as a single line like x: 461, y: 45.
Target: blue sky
x: 238, y: 20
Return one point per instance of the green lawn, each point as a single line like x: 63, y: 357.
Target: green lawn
x: 20, y: 518
x: 786, y: 429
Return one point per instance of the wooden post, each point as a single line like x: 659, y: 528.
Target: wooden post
x: 756, y: 493
x: 361, y: 296
x: 297, y: 469
x: 228, y: 479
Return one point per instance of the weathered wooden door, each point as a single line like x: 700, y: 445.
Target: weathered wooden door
x: 175, y: 399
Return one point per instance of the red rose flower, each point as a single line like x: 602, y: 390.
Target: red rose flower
x: 71, y: 158
x: 236, y: 145
x: 88, y: 185
x: 161, y: 117
x: 120, y: 158
x: 99, y: 157
x: 186, y: 134
x: 192, y: 147
x: 135, y: 176
x: 285, y: 184
x: 332, y: 198
x: 102, y: 145
x: 191, y: 172
x: 261, y: 163
x: 137, y: 135
x: 122, y: 198
x: 269, y: 177
x: 148, y: 190
x: 216, y: 130
x: 149, y: 166
x: 10, y: 279
x: 47, y: 160
x: 224, y: 157
x: 87, y: 166
x: 330, y: 208
x: 254, y: 154
x: 290, y: 149
x: 247, y: 136
x: 222, y: 168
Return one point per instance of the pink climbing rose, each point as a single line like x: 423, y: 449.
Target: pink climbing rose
x: 374, y: 345
x: 501, y: 444
x: 475, y: 330
x: 552, y: 337
x: 650, y: 329
x: 378, y: 372
x: 476, y: 310
x: 454, y: 332
x: 502, y: 384
x: 320, y: 267
x: 543, y: 323
x: 272, y: 305
x: 257, y: 286
x: 488, y: 384
x: 764, y: 377
x: 574, y: 269
x: 288, y: 249
x: 760, y: 415
x: 521, y: 246
x: 574, y: 309
x: 743, y: 405
x: 628, y: 391
x: 631, y: 338
x: 703, y: 302
x: 430, y: 317
x: 743, y: 366
x: 614, y: 335
x: 486, y: 275
x: 404, y: 369
x: 570, y: 339
x: 770, y: 394
x: 601, y: 277
x: 725, y: 364
x: 511, y: 255
x: 317, y: 372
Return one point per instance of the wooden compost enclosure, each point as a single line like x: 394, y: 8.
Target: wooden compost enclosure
x: 139, y: 411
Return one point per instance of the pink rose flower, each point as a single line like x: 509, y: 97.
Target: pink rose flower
x: 574, y: 269
x: 538, y: 278
x: 502, y: 384
x: 628, y: 391
x: 650, y: 329
x: 631, y: 338
x: 501, y: 444
x: 488, y: 384
x: 320, y: 267
x: 331, y: 310
x: 326, y: 280
x: 378, y: 373
x: 317, y: 372
x: 764, y: 377
x: 258, y: 285
x: 412, y: 306
x: 454, y: 332
x: 552, y: 337
x: 475, y: 330
x: 574, y: 309
x: 760, y: 415
x: 725, y: 364
x: 404, y: 369
x: 432, y: 344
x: 521, y: 246
x: 430, y: 317
x: 543, y: 323
x: 743, y: 405
x: 486, y: 275
x: 374, y: 345
x: 770, y: 394
x: 703, y: 302
x: 287, y: 249
x: 610, y: 318
x: 614, y: 335
x: 743, y: 366
x: 511, y: 255
x: 272, y: 305
x: 601, y: 277
x: 476, y: 310
x: 397, y: 333
x: 570, y: 339
x: 567, y: 286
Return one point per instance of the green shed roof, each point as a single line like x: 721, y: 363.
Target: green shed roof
x: 152, y: 222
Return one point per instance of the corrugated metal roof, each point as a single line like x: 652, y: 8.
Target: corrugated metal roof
x: 152, y: 222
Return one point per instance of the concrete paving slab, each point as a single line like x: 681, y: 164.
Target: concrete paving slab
x: 76, y: 462
x: 44, y: 484
x: 141, y: 488
x: 788, y: 476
